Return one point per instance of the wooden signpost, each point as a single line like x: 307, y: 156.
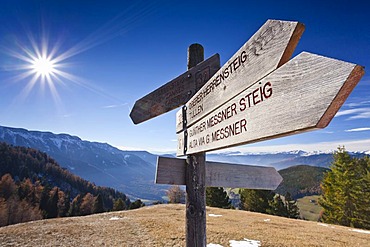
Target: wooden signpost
x: 269, y: 48
x: 257, y: 95
x: 276, y: 105
x: 176, y: 92
x: 172, y: 171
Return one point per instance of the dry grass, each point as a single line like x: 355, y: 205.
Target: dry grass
x: 164, y: 225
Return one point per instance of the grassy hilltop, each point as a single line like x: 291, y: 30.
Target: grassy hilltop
x: 164, y: 225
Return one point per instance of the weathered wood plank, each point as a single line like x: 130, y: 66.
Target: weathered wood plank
x: 270, y: 47
x: 172, y: 171
x: 241, y: 176
x: 304, y: 94
x: 176, y: 92
x: 195, y: 178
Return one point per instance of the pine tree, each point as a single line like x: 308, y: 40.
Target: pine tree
x: 256, y: 200
x: 7, y: 186
x: 87, y: 204
x: 26, y: 190
x: 119, y: 205
x: 137, y: 204
x: 4, y: 214
x: 74, y: 209
x: 63, y: 204
x: 277, y: 207
x: 98, y: 205
x: 292, y: 207
x: 346, y: 191
x: 217, y: 197
x: 52, y: 204
x: 362, y: 195
x: 44, y: 199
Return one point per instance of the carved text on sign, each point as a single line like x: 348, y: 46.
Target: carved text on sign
x: 275, y: 106
x: 254, y: 96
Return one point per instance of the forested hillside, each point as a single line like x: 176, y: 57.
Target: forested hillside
x: 34, y: 186
x: 301, y: 180
x: 131, y: 172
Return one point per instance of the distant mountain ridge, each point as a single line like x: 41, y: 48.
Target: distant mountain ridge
x: 133, y: 172
x: 280, y: 160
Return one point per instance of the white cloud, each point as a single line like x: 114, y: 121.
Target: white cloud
x: 363, y: 103
x: 357, y: 129
x: 327, y: 132
x: 362, y: 115
x: 113, y: 106
x: 350, y: 145
x: 358, y: 113
x: 352, y: 111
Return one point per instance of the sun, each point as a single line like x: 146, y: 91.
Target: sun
x: 40, y: 64
x: 43, y: 66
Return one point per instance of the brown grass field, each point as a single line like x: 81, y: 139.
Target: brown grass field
x: 164, y: 225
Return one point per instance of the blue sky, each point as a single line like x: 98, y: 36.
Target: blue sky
x: 112, y: 53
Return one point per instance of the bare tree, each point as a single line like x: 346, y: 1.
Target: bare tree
x: 175, y: 194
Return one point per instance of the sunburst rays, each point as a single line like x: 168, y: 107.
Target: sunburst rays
x: 42, y: 64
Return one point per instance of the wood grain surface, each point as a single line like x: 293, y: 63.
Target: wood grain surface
x: 270, y: 47
x: 176, y: 92
x: 304, y: 94
x: 172, y: 171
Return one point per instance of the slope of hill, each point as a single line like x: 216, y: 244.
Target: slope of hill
x: 163, y: 225
x: 132, y: 172
x: 301, y: 180
x: 27, y: 163
x: 33, y: 186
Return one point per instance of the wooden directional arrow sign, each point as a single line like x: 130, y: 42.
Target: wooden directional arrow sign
x: 270, y: 47
x: 176, y: 92
x: 304, y: 94
x: 172, y: 171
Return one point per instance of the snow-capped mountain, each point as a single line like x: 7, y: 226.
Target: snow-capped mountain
x: 133, y: 172
x: 280, y: 160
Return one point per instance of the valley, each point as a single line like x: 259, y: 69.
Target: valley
x: 133, y: 172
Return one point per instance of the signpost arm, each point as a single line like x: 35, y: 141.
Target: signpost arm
x: 195, y: 179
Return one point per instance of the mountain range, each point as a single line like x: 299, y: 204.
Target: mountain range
x: 133, y: 172
x: 280, y: 160
x: 128, y: 171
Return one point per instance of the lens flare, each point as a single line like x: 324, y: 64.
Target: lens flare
x: 39, y: 63
x: 43, y: 66
x: 43, y: 63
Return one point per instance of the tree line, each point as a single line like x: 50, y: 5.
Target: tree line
x: 33, y: 186
x: 345, y: 195
x: 262, y: 201
x: 346, y: 191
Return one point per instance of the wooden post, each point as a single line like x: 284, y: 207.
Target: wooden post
x: 195, y: 179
